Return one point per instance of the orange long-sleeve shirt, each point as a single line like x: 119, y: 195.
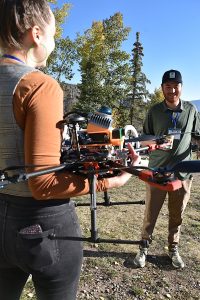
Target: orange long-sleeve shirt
x: 38, y: 107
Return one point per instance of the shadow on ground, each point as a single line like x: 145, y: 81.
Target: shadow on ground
x: 161, y: 261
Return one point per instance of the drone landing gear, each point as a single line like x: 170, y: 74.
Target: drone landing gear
x: 94, y: 238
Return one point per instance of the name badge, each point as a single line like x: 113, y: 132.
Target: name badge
x: 175, y: 132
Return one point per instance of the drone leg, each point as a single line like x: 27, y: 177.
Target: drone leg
x: 106, y: 199
x: 93, y: 207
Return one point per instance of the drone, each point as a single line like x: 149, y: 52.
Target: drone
x: 93, y: 148
x: 101, y: 147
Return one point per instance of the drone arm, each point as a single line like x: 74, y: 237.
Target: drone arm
x: 146, y: 148
x: 148, y: 176
x: 169, y: 186
x: 63, y: 185
x: 43, y: 172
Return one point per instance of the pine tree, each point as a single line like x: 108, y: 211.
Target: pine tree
x: 139, y: 94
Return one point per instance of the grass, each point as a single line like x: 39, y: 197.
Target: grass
x: 108, y: 271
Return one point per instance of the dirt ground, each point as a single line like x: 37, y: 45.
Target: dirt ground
x: 108, y: 271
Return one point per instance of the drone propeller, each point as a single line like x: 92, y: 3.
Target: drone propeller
x: 149, y: 137
x: 13, y: 168
x: 144, y: 137
x: 189, y: 166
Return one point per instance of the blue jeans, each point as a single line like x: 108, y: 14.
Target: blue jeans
x: 54, y: 264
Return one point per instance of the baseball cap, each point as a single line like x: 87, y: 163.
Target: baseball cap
x: 172, y: 75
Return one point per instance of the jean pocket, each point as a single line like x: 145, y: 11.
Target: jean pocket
x: 36, y: 251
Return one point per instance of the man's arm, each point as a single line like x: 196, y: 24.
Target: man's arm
x: 196, y: 134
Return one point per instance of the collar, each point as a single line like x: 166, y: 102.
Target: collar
x: 180, y: 108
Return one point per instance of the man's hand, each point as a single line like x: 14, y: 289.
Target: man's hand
x: 198, y: 154
x: 135, y: 157
x: 120, y: 180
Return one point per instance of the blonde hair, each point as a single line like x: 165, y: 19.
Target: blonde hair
x: 17, y: 17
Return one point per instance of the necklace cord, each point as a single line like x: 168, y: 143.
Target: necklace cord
x: 13, y: 57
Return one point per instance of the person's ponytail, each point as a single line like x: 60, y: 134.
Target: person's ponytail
x: 17, y: 17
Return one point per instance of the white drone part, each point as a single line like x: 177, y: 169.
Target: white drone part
x: 130, y: 130
x: 65, y: 133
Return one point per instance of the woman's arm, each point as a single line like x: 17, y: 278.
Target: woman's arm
x: 38, y: 107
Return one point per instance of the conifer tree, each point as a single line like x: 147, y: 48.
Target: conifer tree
x: 139, y: 94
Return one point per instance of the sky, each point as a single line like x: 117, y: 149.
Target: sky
x: 169, y: 33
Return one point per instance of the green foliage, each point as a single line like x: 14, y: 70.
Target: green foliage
x: 133, y: 106
x: 108, y: 75
x: 139, y: 94
x: 155, y: 97
x: 120, y: 116
x: 62, y: 60
x: 104, y: 66
x: 60, y: 15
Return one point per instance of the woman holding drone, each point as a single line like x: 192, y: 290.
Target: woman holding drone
x: 31, y: 106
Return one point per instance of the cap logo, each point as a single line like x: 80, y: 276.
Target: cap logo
x: 172, y: 75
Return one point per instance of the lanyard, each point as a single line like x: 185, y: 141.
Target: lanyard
x: 13, y: 57
x: 174, y: 118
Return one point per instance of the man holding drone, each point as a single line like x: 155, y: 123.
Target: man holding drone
x: 180, y: 119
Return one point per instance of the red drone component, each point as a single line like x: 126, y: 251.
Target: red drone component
x: 169, y: 186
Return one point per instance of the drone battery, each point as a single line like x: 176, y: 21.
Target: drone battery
x: 117, y: 137
x: 99, y: 138
x: 118, y: 133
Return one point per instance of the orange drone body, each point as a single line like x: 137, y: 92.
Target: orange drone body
x: 103, y: 134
